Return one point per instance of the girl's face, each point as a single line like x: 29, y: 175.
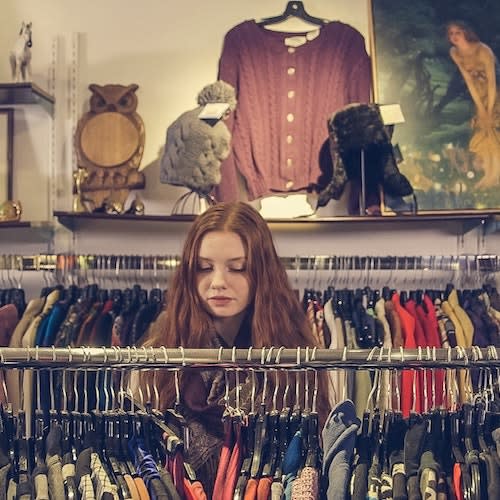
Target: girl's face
x: 456, y: 35
x: 222, y: 279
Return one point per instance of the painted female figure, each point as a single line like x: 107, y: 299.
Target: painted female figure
x: 477, y: 64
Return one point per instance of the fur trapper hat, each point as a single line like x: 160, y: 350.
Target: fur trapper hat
x: 195, y: 148
x: 354, y: 128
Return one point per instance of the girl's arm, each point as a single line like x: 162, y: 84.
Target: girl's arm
x: 488, y: 59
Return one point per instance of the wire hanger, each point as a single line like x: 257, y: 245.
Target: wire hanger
x: 293, y: 9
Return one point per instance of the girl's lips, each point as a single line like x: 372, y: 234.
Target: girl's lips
x: 220, y: 300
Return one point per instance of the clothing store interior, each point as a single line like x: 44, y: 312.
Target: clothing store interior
x: 272, y: 270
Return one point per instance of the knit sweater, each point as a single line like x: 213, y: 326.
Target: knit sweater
x: 285, y: 96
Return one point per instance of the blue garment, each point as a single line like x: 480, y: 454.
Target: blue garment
x: 144, y: 463
x: 53, y: 323
x: 45, y: 337
x: 339, y: 439
x: 293, y: 456
x: 291, y: 464
x: 42, y: 328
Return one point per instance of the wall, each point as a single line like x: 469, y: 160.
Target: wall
x: 171, y: 50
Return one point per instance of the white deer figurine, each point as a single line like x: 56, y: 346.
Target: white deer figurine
x: 20, y: 56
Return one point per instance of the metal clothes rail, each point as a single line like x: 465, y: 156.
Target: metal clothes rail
x: 257, y: 358
x: 153, y: 263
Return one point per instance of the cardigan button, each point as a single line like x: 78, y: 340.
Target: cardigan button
x: 289, y: 185
x: 291, y: 94
x: 291, y: 70
x: 291, y: 50
x: 290, y: 117
x: 289, y: 162
x: 289, y: 139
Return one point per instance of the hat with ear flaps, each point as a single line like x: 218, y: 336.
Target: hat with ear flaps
x: 194, y: 147
x: 352, y: 129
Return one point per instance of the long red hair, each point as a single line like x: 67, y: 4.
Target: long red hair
x: 278, y: 318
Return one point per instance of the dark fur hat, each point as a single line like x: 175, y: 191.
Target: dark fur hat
x: 356, y: 128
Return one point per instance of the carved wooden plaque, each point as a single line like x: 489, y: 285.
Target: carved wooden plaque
x: 109, y: 143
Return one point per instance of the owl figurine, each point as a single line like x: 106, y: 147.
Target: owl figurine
x: 109, y: 143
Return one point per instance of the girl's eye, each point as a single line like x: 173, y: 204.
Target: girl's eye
x: 238, y: 269
x: 204, y: 269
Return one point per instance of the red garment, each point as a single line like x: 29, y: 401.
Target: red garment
x: 434, y: 337
x: 424, y: 376
x: 175, y: 466
x: 197, y: 488
x: 264, y: 488
x: 234, y: 466
x: 411, y: 307
x: 194, y: 490
x: 251, y: 489
x: 427, y: 316
x: 457, y: 482
x: 225, y: 456
x: 285, y: 97
x: 408, y: 378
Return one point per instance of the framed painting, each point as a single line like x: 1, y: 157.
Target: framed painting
x: 439, y: 62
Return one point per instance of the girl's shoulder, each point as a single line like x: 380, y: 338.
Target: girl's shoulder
x: 485, y: 51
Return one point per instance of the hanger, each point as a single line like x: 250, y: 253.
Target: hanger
x: 39, y: 439
x: 313, y: 442
x: 296, y: 414
x: 456, y: 449
x: 387, y: 293
x: 248, y: 441
x: 307, y: 425
x: 261, y: 435
x: 472, y: 454
x: 269, y: 467
x: 158, y: 438
x: 284, y: 434
x: 293, y: 9
x: 449, y: 288
x: 112, y: 448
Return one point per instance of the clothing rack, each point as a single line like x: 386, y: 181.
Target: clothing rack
x: 256, y: 358
x: 154, y: 263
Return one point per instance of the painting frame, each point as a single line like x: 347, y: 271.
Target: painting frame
x: 412, y: 65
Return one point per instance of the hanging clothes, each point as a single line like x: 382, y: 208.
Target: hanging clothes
x: 261, y: 127
x: 339, y: 438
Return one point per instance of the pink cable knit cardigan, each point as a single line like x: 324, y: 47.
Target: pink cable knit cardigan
x: 285, y: 96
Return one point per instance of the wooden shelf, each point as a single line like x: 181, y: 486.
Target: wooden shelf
x: 12, y: 94
x: 10, y: 225
x: 71, y: 219
x: 34, y: 231
x: 469, y: 218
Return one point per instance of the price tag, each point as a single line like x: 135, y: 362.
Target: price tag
x: 213, y: 110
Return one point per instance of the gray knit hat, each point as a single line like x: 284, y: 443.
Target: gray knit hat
x: 195, y: 148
